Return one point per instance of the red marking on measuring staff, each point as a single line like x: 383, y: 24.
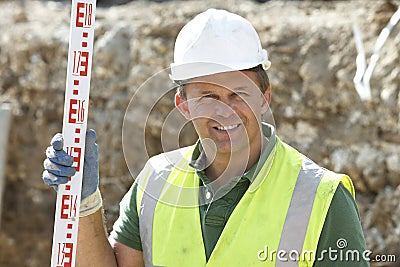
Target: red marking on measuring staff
x: 84, y: 15
x: 65, y: 254
x: 76, y: 111
x: 79, y: 66
x: 76, y: 153
x: 81, y: 63
x: 68, y: 207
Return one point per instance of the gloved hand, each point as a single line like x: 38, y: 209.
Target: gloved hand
x: 58, y: 166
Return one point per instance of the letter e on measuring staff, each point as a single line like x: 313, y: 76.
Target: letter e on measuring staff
x: 76, y: 111
x: 68, y: 206
x: 84, y: 12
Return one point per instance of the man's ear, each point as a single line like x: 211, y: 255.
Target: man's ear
x: 267, y: 99
x: 182, y: 105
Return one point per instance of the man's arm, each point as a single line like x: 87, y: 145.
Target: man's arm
x: 342, y: 241
x: 125, y: 237
x: 126, y: 256
x: 93, y: 248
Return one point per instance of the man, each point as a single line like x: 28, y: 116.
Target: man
x: 239, y: 196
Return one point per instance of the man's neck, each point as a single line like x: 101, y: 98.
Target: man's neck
x: 225, y: 166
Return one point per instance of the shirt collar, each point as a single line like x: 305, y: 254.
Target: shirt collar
x: 198, y: 159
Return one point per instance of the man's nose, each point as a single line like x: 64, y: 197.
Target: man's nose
x: 224, y: 108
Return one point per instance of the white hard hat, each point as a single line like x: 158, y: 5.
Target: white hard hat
x: 216, y: 41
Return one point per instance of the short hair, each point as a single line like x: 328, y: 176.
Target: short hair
x: 262, y: 77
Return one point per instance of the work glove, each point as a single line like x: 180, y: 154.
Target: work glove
x: 58, y: 167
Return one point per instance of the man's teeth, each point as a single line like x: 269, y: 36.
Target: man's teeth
x: 226, y: 128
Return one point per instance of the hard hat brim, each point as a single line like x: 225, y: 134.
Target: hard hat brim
x: 197, y: 69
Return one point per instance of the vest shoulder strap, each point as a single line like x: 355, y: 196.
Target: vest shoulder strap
x: 151, y: 182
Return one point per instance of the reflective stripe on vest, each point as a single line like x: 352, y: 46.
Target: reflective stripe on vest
x: 298, y: 215
x: 146, y: 218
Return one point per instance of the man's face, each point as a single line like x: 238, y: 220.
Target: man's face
x: 226, y: 110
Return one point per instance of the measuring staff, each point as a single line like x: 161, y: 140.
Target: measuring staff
x: 69, y: 184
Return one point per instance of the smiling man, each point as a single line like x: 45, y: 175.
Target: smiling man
x: 238, y: 197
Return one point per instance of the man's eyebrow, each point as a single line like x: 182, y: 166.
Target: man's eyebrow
x: 235, y: 89
x: 240, y: 88
x: 205, y: 92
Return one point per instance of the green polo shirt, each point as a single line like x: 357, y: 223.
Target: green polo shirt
x: 342, y: 220
x: 221, y: 203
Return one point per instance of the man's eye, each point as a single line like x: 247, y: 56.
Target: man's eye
x: 242, y: 94
x: 210, y: 96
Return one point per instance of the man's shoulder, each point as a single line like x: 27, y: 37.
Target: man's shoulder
x: 170, y: 158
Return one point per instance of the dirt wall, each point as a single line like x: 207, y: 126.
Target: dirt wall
x: 315, y: 105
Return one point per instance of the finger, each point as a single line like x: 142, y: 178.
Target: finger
x: 91, y: 146
x: 59, y: 156
x: 53, y: 180
x: 57, y: 142
x: 57, y: 169
x: 91, y: 135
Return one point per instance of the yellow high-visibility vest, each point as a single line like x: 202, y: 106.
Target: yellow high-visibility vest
x: 277, y: 222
